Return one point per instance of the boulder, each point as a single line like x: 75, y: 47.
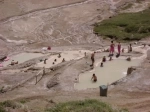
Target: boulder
x: 2, y: 58
x: 148, y: 54
x: 53, y: 82
x: 130, y: 70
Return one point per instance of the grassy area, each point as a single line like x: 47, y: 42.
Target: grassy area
x: 84, y: 106
x: 6, y: 104
x: 127, y: 26
x: 139, y: 1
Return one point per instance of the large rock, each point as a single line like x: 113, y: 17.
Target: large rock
x: 148, y: 54
x: 2, y: 58
x: 53, y: 82
x: 130, y: 70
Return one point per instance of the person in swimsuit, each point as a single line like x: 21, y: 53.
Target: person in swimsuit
x: 59, y: 56
x: 112, y: 49
x: 104, y: 59
x: 13, y: 62
x: 63, y: 60
x: 130, y: 48
x: 128, y: 59
x: 45, y: 61
x: 110, y: 59
x: 94, y: 78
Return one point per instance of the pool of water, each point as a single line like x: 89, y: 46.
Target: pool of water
x: 22, y: 57
x: 111, y: 72
x: 68, y: 55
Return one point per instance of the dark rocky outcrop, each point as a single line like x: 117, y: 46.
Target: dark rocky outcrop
x: 148, y: 54
x: 130, y: 70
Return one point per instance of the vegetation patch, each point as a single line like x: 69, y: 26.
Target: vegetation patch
x: 84, y: 106
x: 139, y: 1
x: 23, y: 101
x: 126, y: 26
x: 7, y: 104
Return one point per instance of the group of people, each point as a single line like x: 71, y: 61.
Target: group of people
x: 111, y: 51
x: 13, y: 62
x: 59, y: 56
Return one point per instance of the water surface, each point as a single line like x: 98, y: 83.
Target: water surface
x: 111, y: 72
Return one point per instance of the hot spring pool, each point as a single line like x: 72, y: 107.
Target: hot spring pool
x: 22, y: 57
x: 111, y: 72
x: 68, y: 55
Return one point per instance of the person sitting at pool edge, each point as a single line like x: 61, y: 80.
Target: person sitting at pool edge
x: 13, y: 62
x: 45, y: 61
x: 104, y: 59
x: 63, y: 60
x: 110, y: 59
x: 117, y: 55
x: 128, y: 59
x: 94, y: 78
x: 59, y: 56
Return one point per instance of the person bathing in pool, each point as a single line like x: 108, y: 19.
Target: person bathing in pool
x: 94, y: 78
x: 104, y: 59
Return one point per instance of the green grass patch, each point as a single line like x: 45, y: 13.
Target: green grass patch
x: 2, y: 109
x: 83, y: 106
x: 23, y: 101
x: 139, y: 1
x: 6, y: 104
x: 126, y: 26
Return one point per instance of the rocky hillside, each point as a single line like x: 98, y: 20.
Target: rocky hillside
x: 9, y: 8
x: 58, y: 23
x: 30, y: 24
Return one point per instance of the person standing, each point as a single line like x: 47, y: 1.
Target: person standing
x: 130, y: 47
x: 45, y: 61
x: 93, y: 58
x: 84, y: 54
x: 112, y: 48
x: 119, y: 48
